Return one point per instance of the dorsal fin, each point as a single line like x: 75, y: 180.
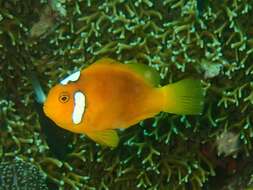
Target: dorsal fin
x: 106, y: 60
x: 148, y: 73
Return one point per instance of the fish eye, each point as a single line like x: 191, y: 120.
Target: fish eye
x: 64, y: 97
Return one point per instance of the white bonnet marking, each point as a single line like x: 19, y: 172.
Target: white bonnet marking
x: 79, y: 107
x: 73, y: 77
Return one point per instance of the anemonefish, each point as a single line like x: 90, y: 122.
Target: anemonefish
x: 109, y: 95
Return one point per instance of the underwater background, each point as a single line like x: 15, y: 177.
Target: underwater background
x: 210, y: 40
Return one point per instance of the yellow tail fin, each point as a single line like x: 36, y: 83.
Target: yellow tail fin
x: 184, y: 97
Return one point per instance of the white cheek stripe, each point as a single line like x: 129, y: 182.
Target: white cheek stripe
x: 79, y: 107
x: 73, y: 77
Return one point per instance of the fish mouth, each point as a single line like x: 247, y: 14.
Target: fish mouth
x: 45, y: 109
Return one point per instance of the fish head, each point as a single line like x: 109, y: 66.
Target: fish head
x: 65, y: 105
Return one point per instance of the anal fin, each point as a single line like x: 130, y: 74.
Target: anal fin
x: 106, y: 137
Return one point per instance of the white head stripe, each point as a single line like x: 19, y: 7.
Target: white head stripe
x: 73, y: 77
x: 79, y: 107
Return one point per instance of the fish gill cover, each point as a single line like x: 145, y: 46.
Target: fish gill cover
x: 208, y: 39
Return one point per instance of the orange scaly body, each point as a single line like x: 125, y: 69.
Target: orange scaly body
x: 114, y: 95
x: 117, y: 97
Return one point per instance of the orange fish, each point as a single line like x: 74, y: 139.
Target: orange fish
x: 109, y: 95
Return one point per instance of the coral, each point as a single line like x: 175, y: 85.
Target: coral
x: 227, y: 143
x: 211, y: 40
x: 18, y: 174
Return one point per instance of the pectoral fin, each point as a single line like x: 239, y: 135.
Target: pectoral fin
x: 106, y: 137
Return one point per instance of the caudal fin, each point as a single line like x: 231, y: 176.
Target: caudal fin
x: 184, y: 97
